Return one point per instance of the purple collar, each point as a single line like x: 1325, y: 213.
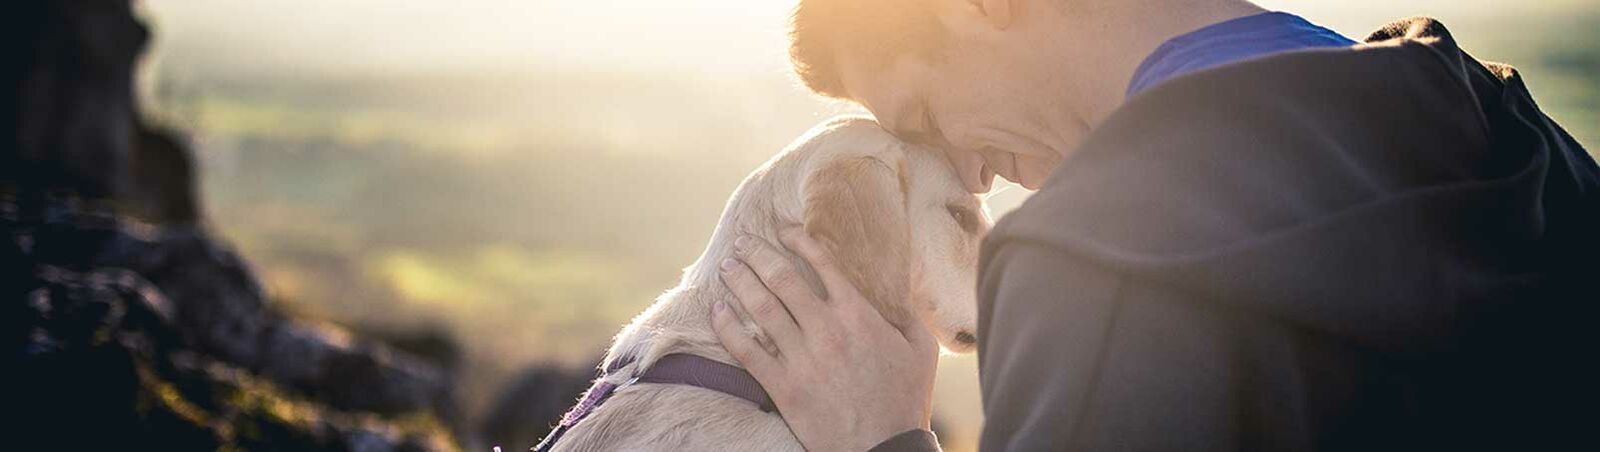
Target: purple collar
x: 702, y: 372
x: 677, y: 368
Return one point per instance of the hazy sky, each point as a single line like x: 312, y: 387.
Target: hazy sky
x: 694, y: 35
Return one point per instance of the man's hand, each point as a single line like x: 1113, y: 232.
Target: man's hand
x: 843, y: 377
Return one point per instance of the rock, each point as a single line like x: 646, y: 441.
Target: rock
x: 69, y: 104
x: 124, y: 318
x: 163, y: 189
x: 101, y: 356
x: 224, y: 311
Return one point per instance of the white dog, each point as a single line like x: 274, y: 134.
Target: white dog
x: 898, y: 223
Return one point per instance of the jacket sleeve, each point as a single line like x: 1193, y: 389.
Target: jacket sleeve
x: 1075, y: 357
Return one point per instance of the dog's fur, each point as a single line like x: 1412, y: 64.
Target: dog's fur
x: 891, y: 215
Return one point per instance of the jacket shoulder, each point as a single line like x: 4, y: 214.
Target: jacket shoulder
x: 1209, y: 160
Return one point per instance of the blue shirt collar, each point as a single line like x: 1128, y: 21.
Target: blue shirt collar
x: 1231, y: 41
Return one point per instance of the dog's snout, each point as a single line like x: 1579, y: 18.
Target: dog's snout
x: 966, y: 338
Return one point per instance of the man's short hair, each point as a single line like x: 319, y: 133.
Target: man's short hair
x: 876, y: 31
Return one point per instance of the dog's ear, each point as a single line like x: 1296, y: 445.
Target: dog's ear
x: 857, y: 208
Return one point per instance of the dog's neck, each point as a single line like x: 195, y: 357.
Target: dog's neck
x: 680, y: 319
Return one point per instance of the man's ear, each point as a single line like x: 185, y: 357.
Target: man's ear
x: 997, y: 13
x: 857, y: 208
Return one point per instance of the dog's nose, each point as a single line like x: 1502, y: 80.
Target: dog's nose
x: 966, y: 338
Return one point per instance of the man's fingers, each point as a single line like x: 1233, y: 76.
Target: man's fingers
x: 740, y: 343
x: 821, y: 260
x: 776, y: 272
x: 843, y: 296
x: 763, y: 307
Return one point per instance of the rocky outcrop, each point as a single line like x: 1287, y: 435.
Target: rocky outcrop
x: 100, y: 364
x: 127, y: 324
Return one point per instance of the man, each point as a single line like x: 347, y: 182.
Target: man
x: 1249, y: 233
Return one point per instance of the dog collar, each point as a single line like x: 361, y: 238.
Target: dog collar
x: 677, y: 368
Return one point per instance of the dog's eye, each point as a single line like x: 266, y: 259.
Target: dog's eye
x: 964, y: 217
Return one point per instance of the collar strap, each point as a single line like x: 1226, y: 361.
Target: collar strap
x: 677, y: 368
x: 702, y: 372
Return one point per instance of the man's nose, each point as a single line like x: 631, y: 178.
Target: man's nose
x: 976, y: 175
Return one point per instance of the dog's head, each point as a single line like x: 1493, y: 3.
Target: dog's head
x: 898, y: 222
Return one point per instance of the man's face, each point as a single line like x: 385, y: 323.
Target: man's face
x: 983, y: 106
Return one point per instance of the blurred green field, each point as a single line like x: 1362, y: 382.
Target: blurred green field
x: 533, y: 210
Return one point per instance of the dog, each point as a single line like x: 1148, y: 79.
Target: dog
x: 899, y: 224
